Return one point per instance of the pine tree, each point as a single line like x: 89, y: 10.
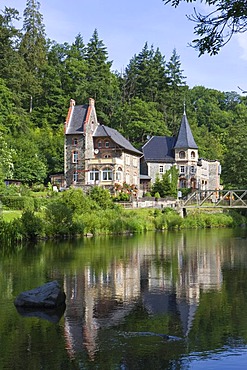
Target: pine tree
x: 102, y: 84
x: 145, y: 76
x: 176, y: 92
x: 33, y: 50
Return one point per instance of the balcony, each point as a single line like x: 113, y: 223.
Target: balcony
x: 105, y: 161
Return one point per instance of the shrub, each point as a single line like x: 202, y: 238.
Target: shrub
x: 59, y: 219
x: 77, y: 201
x: 18, y: 202
x: 31, y: 225
x: 102, y: 197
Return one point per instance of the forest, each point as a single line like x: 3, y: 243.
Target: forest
x: 39, y: 76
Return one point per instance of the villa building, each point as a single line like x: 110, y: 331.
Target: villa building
x: 160, y: 153
x: 96, y: 154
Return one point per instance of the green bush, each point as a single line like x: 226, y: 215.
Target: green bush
x: 59, y: 219
x: 31, y: 225
x: 18, y: 202
x: 39, y: 203
x: 121, y: 197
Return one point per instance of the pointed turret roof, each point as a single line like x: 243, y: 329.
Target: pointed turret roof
x: 185, y: 138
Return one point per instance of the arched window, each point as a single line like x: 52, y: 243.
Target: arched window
x: 182, y: 183
x: 119, y: 174
x: 182, y: 154
x: 107, y: 174
x: 99, y: 144
x: 193, y: 154
x: 107, y: 144
x: 75, y: 141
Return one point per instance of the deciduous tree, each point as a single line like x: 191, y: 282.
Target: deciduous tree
x: 215, y: 29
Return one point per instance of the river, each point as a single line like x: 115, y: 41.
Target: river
x: 170, y: 300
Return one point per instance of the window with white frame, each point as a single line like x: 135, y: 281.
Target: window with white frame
x: 134, y: 162
x: 119, y: 174
x: 75, y: 176
x: 94, y: 175
x: 127, y: 160
x: 75, y: 157
x: 182, y: 169
x: 192, y: 169
x: 135, y: 180
x: 99, y: 144
x: 75, y: 141
x: 127, y: 178
x: 107, y: 144
x: 161, y: 169
x: 193, y: 154
x: 107, y: 174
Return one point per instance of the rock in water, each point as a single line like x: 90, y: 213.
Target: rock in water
x: 49, y: 295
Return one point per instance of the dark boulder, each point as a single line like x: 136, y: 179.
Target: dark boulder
x: 49, y: 295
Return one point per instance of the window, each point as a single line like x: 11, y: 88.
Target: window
x: 135, y: 180
x: 107, y: 144
x: 107, y: 174
x: 182, y: 154
x: 127, y: 178
x: 193, y: 154
x: 99, y: 144
x: 182, y: 183
x: 161, y: 169
x: 75, y: 176
x: 75, y: 141
x: 75, y: 157
x: 119, y: 174
x: 94, y: 175
x: 107, y: 156
x: 182, y: 169
x: 127, y: 160
x: 134, y: 161
x: 192, y: 169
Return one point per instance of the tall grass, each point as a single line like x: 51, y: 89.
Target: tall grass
x: 60, y: 219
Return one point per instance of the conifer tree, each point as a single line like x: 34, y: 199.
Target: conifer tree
x: 102, y: 84
x: 33, y: 50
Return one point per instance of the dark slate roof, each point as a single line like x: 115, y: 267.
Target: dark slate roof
x: 159, y: 149
x: 105, y: 131
x: 77, y: 120
x: 185, y: 138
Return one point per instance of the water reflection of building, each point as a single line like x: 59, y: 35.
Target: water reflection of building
x: 164, y: 281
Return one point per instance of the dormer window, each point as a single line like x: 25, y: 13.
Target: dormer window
x: 99, y: 144
x: 182, y: 154
x: 193, y: 155
x: 107, y: 144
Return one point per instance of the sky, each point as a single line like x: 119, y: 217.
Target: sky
x: 125, y: 26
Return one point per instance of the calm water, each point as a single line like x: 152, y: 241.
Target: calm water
x: 123, y: 293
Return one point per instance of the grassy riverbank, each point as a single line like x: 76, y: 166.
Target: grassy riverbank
x: 58, y: 220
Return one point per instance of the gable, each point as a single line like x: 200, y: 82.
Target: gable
x: 116, y: 137
x: 77, y: 119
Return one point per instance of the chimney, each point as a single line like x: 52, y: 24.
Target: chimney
x: 91, y: 102
x: 72, y: 102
